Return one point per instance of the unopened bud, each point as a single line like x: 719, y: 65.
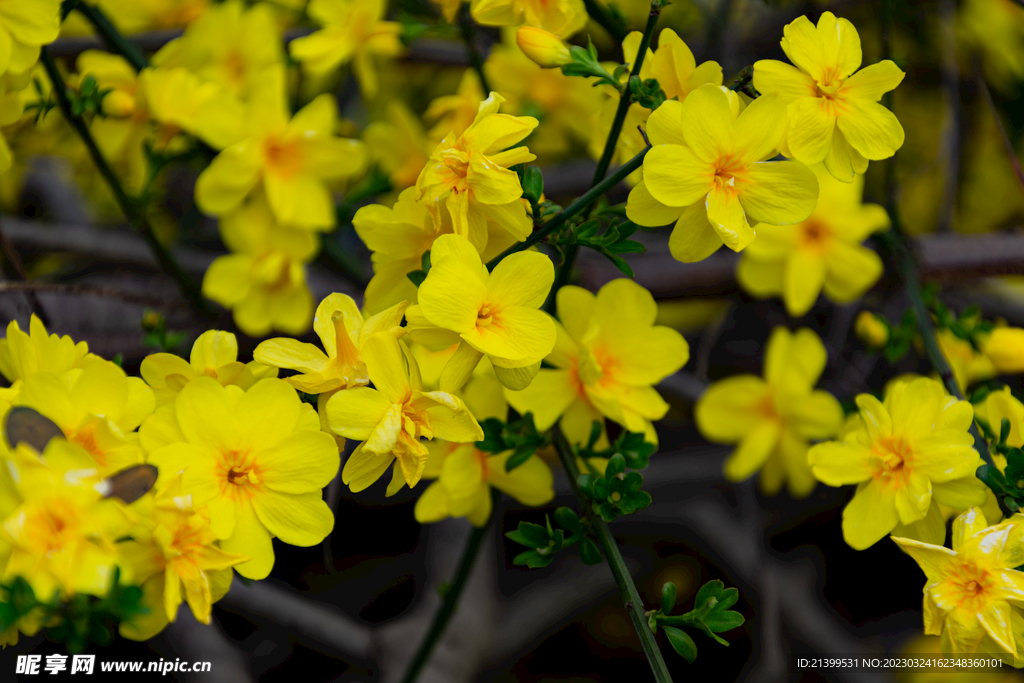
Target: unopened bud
x: 546, y: 49
x: 118, y: 103
x: 871, y: 330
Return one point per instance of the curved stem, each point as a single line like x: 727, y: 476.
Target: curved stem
x: 573, y: 209
x: 468, y: 28
x: 599, y: 13
x: 451, y: 597
x: 111, y: 36
x: 135, y: 216
x: 620, y: 572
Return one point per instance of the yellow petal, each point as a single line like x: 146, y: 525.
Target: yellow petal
x: 306, y: 462
x: 726, y: 411
x: 363, y: 468
x: 459, y: 368
x: 870, y: 515
x: 871, y: 129
x: 707, y: 123
x: 643, y: 209
x: 811, y: 122
x: 771, y: 76
x: 726, y: 215
x: 675, y: 176
x: 301, y: 519
x: 521, y: 279
x: 252, y: 539
x: 804, y: 277
x: 873, y: 81
x: 355, y: 413
x: 753, y: 450
x: 779, y: 192
x: 693, y: 238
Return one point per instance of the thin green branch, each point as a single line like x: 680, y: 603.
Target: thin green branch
x: 468, y: 28
x: 113, y: 38
x: 451, y: 596
x: 573, y: 209
x: 616, y: 28
x: 134, y: 214
x: 626, y: 98
x: 630, y: 596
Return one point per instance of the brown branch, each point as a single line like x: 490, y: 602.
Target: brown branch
x: 82, y: 289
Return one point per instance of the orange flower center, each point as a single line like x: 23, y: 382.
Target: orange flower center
x: 485, y: 316
x: 896, y: 456
x: 730, y: 173
x: 970, y: 586
x: 814, y: 234
x: 239, y: 475
x: 281, y: 157
x: 52, y: 524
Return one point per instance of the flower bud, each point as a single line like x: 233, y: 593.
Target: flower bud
x: 546, y: 49
x: 1005, y: 348
x: 118, y: 103
x: 871, y: 329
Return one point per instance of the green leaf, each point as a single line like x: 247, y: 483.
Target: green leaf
x: 416, y: 277
x: 723, y: 621
x: 425, y: 261
x: 682, y: 643
x: 567, y: 519
x: 519, y: 456
x: 728, y: 598
x: 711, y: 589
x: 589, y: 552
x: 533, y: 184
x: 668, y: 597
x: 536, y: 535
x: 616, y: 466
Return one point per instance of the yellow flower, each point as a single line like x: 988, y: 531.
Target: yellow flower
x: 973, y: 596
x: 472, y: 172
x: 398, y: 145
x: 214, y: 354
x: 174, y: 547
x: 264, y: 281
x: 454, y: 113
x: 175, y: 98
x: 24, y: 28
x: 292, y: 159
x: 465, y: 476
x: 1005, y: 348
x: 907, y: 456
x: 257, y: 458
x: 608, y: 355
x: 678, y: 74
x: 343, y: 332
x: 871, y: 329
x: 774, y: 418
x: 132, y: 17
x: 62, y: 534
x: 561, y: 17
x: 823, y: 251
x: 494, y: 314
x: 352, y: 30
x: 968, y: 365
x: 23, y: 355
x: 229, y: 45
x: 707, y: 173
x: 567, y: 104
x: 97, y: 408
x: 543, y: 48
x: 391, y: 418
x: 834, y: 114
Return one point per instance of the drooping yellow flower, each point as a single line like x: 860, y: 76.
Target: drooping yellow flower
x: 391, y: 418
x: 465, y: 476
x: 773, y: 419
x: 23, y: 355
x: 708, y: 173
x: 472, y: 172
x: 678, y: 74
x: 61, y: 536
x: 173, y: 547
x: 494, y: 314
x: 834, y: 114
x: 453, y: 114
x: 230, y: 45
x: 214, y: 354
x: 968, y: 364
x: 483, y: 394
x: 292, y: 158
x: 907, y: 456
x: 398, y: 145
x: 608, y: 356
x: 24, y: 28
x: 973, y: 595
x: 353, y: 30
x: 256, y: 458
x: 343, y: 332
x: 97, y: 408
x: 263, y: 281
x: 561, y: 17
x: 822, y: 252
x: 567, y: 104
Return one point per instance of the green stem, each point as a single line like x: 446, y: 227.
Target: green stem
x: 630, y: 596
x: 111, y: 36
x: 599, y: 13
x: 573, y: 209
x: 626, y: 98
x: 451, y: 597
x: 468, y: 28
x: 136, y: 218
